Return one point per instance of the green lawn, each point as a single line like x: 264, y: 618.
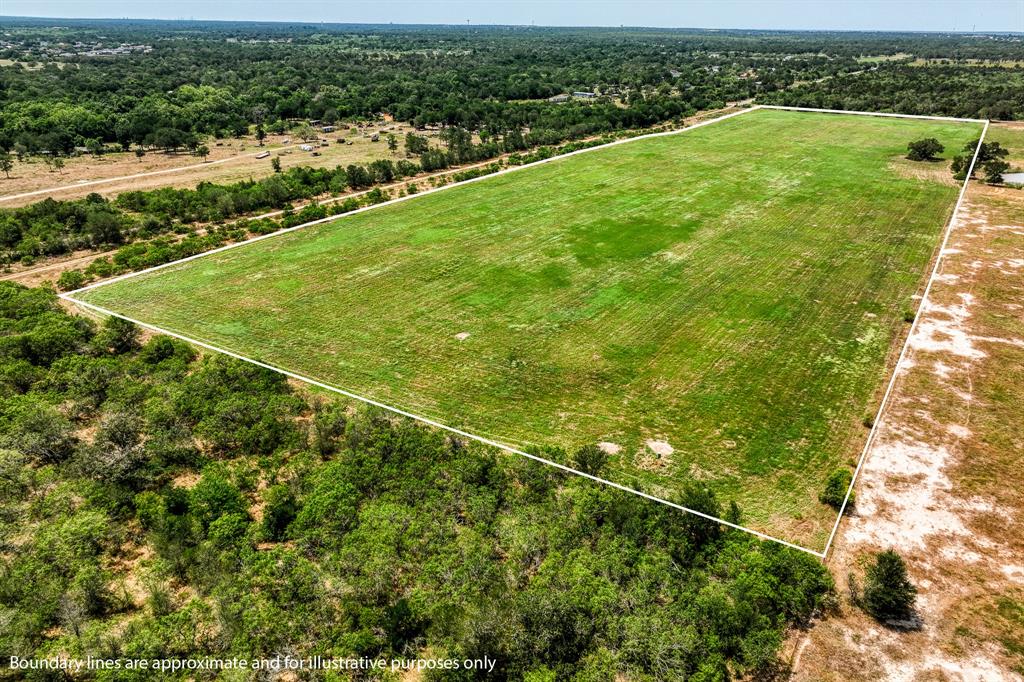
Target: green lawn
x: 733, y: 291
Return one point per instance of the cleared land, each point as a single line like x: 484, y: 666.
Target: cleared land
x: 941, y: 483
x: 719, y: 304
x: 230, y: 161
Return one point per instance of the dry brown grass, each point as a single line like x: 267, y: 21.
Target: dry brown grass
x: 231, y: 161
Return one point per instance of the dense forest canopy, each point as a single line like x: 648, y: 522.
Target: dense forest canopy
x: 220, y: 78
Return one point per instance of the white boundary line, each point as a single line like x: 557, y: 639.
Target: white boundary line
x: 70, y: 296
x: 906, y: 344
x: 431, y: 422
x: 874, y: 113
x: 340, y: 216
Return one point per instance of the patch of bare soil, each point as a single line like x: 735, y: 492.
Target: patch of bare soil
x: 932, y: 171
x: 942, y: 482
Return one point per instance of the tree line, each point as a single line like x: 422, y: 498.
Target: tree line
x: 483, y: 79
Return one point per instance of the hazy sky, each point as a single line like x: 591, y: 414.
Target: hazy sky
x: 913, y: 15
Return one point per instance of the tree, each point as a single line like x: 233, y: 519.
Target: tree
x: 95, y: 146
x: 415, y: 144
x: 139, y: 153
x: 590, y: 459
x: 39, y: 431
x: 202, y: 151
x: 358, y: 176
x: 959, y: 166
x: 835, y: 488
x: 275, y: 163
x: 382, y: 170
x: 58, y: 163
x: 103, y: 227
x: 305, y: 132
x: 392, y: 143
x: 994, y: 169
x: 888, y: 592
x: 215, y: 496
x: 117, y: 453
x: 698, y: 529
x: 70, y: 279
x: 6, y: 164
x: 279, y: 511
x: 118, y: 336
x: 261, y: 133
x: 329, y: 510
x: 989, y: 151
x: 924, y: 150
x: 168, y: 138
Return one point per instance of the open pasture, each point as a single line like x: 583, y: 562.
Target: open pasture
x: 717, y: 305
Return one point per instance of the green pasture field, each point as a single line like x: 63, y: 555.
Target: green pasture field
x: 735, y: 291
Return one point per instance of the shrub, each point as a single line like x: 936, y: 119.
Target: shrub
x: 590, y: 459
x: 698, y: 529
x: 835, y: 488
x: 924, y: 150
x: 70, y: 279
x: 888, y: 592
x: 118, y: 336
x: 39, y: 431
x: 279, y: 511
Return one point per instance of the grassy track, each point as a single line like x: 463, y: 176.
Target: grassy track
x: 733, y: 291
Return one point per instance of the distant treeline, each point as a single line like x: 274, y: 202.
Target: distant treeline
x: 991, y: 92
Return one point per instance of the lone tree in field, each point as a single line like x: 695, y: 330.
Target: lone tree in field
x: 275, y: 163
x: 6, y: 164
x: 305, y: 132
x: 202, y: 151
x: 888, y: 592
x: 924, y: 150
x: 139, y: 153
x: 835, y: 488
x: 261, y: 133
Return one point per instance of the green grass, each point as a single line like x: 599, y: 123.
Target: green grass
x: 733, y: 290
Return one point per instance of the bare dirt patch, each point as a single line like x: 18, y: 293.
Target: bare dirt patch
x: 933, y: 171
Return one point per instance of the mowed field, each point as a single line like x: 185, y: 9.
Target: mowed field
x: 732, y: 292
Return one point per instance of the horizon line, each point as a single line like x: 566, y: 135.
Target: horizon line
x: 611, y: 27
